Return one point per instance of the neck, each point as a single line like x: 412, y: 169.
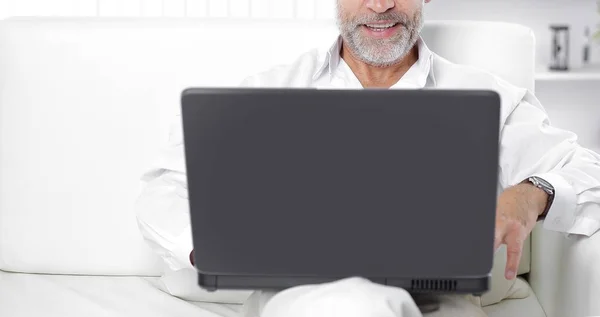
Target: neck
x: 379, y: 77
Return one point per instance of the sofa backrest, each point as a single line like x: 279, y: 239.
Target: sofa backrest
x: 85, y: 106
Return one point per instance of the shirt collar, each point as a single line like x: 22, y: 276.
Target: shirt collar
x: 330, y: 59
x: 421, y: 72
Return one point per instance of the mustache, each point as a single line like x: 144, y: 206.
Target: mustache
x: 395, y: 17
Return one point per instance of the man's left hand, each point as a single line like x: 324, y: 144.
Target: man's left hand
x: 519, y: 208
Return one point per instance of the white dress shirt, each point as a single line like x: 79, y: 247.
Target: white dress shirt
x: 530, y: 146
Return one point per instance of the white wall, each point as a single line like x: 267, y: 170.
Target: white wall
x: 171, y: 8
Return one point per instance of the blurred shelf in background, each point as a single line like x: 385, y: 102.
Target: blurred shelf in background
x: 589, y: 73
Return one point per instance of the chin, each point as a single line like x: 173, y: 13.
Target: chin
x: 380, y: 63
x: 379, y: 57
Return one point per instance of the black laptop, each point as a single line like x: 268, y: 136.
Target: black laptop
x: 289, y: 187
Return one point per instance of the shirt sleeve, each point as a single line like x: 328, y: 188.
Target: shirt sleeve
x: 531, y: 146
x: 162, y: 208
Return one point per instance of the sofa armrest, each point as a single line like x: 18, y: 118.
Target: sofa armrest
x: 565, y: 273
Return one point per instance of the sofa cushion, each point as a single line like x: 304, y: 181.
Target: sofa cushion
x: 525, y: 307
x: 26, y: 295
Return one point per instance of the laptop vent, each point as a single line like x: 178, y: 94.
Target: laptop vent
x: 433, y: 285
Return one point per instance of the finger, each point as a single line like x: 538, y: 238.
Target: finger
x: 514, y: 249
x: 498, y: 237
x: 497, y: 243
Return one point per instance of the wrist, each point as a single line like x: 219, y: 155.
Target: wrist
x: 539, y: 198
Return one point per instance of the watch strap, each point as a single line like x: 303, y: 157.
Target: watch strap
x: 546, y: 187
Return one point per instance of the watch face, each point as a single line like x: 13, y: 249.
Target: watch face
x: 544, y: 184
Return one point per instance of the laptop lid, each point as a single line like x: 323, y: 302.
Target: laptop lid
x: 298, y: 186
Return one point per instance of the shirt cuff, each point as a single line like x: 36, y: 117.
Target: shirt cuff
x: 561, y: 215
x: 584, y: 227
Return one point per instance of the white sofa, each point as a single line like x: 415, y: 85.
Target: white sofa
x: 85, y: 106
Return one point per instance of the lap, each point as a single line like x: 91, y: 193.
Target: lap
x: 352, y: 297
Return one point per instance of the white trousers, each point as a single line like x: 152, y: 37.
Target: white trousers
x: 352, y: 297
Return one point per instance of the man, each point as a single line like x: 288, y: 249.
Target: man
x: 544, y: 173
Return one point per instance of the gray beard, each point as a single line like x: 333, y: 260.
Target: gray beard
x: 380, y: 52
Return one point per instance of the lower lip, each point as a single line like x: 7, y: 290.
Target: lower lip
x: 382, y: 34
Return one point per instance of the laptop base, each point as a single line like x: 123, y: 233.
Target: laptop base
x: 415, y: 286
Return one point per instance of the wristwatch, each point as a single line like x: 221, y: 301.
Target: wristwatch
x: 545, y: 186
